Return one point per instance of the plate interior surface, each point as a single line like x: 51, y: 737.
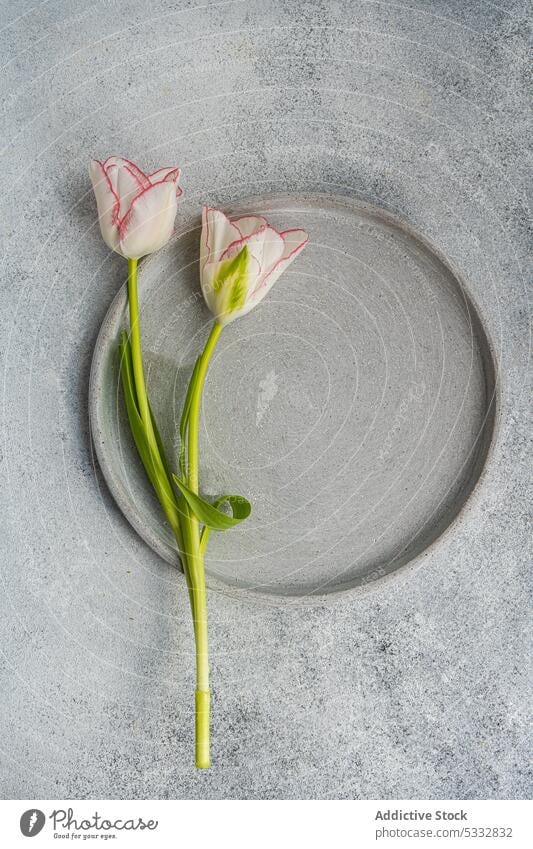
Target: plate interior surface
x: 354, y: 407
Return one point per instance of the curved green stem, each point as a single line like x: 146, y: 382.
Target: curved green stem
x: 196, y: 561
x: 136, y: 352
x: 194, y: 415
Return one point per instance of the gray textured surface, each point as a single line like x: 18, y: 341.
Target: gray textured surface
x: 417, y: 690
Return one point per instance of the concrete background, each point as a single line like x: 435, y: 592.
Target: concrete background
x: 417, y: 690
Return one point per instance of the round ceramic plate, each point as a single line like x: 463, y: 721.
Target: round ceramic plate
x: 354, y: 407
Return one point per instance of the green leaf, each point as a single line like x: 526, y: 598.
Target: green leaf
x: 240, y: 508
x: 136, y: 424
x: 152, y: 460
x: 209, y: 514
x: 126, y: 368
x: 184, y: 421
x: 128, y: 384
x: 159, y: 443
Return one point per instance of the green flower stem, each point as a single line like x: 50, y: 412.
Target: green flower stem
x: 160, y: 479
x: 196, y: 561
x: 183, y: 522
x: 194, y: 415
x: 136, y: 353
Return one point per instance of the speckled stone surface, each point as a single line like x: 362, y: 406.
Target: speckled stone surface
x: 417, y: 690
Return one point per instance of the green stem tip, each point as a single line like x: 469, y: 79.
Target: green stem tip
x: 202, y: 729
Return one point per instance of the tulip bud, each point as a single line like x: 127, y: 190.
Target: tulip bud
x: 136, y: 210
x: 240, y: 261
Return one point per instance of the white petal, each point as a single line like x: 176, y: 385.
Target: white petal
x: 207, y: 276
x: 217, y: 233
x: 128, y: 187
x: 248, y: 224
x: 255, y: 248
x: 114, y: 163
x: 127, y: 180
x: 107, y: 204
x: 149, y: 221
x: 273, y: 246
x: 265, y: 246
x: 161, y: 174
x: 294, y: 242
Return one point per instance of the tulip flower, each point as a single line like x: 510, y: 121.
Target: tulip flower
x: 240, y: 260
x: 136, y: 210
x: 136, y: 213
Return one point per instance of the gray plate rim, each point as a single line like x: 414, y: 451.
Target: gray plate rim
x: 340, y: 593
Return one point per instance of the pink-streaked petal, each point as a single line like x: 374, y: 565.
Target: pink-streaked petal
x: 217, y: 233
x: 248, y: 224
x: 266, y: 246
x: 168, y: 174
x: 128, y: 188
x: 107, y: 204
x: 294, y: 242
x: 273, y: 246
x: 117, y: 162
x: 149, y: 222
